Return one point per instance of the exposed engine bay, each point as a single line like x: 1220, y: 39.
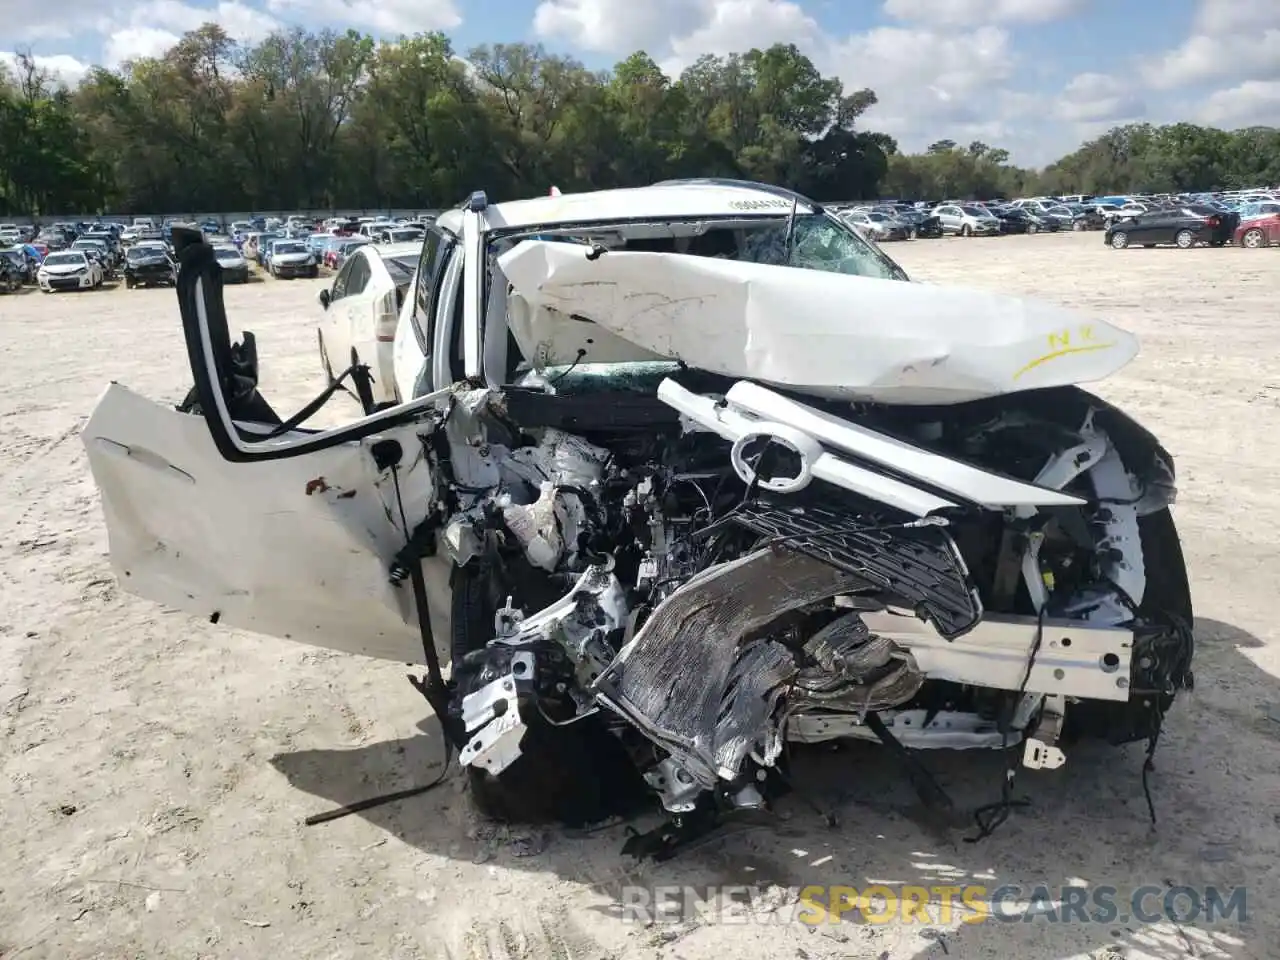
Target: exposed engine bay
x: 641, y: 606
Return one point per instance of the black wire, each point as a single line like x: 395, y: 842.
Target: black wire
x: 992, y: 815
x: 1148, y: 764
x: 576, y: 360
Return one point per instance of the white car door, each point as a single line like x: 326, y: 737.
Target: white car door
x: 335, y: 332
x: 292, y: 536
x: 357, y: 307
x: 416, y: 330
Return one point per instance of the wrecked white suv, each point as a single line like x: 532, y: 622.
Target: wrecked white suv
x: 682, y: 475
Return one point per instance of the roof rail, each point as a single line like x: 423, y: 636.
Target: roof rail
x: 750, y: 184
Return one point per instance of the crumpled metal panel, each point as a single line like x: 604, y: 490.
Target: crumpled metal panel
x: 920, y: 565
x: 699, y: 679
x: 854, y: 671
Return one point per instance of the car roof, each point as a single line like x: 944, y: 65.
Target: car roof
x: 409, y: 248
x: 665, y: 201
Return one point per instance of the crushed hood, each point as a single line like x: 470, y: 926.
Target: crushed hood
x: 826, y: 334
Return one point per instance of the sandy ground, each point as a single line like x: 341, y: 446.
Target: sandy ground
x: 157, y: 769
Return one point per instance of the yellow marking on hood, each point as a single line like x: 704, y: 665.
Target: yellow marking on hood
x: 1065, y: 352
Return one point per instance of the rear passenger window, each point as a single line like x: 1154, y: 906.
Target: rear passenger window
x: 435, y: 253
x: 360, y: 274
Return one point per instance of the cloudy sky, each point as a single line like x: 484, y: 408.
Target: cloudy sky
x: 1033, y: 76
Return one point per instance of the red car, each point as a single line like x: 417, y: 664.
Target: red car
x: 336, y: 253
x: 1260, y: 232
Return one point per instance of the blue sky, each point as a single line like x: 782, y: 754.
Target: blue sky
x: 1034, y: 76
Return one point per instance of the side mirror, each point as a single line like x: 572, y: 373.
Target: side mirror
x: 323, y: 297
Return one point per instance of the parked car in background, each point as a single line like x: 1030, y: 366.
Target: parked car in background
x: 235, y: 268
x: 967, y: 220
x: 26, y: 259
x: 1263, y: 231
x: 69, y: 270
x: 53, y: 239
x: 361, y: 310
x: 149, y: 265
x: 1181, y: 226
x: 292, y: 258
x: 876, y: 226
x: 340, y: 249
x: 400, y: 234
x: 13, y: 272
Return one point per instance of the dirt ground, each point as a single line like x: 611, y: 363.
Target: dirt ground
x: 156, y: 769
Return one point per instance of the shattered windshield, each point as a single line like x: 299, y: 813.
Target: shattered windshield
x: 818, y: 242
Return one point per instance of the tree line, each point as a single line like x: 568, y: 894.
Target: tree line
x: 312, y: 120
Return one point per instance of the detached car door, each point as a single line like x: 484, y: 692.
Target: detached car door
x: 227, y: 513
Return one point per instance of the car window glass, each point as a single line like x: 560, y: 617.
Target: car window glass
x: 340, y: 281
x: 435, y: 254
x: 359, y: 276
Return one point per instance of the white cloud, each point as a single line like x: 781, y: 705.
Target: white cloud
x: 616, y: 26
x: 64, y: 69
x: 976, y: 12
x: 134, y: 43
x: 1252, y: 103
x: 1230, y: 40
x: 376, y: 16
x: 1218, y: 17
x: 150, y: 29
x: 1099, y: 98
x: 241, y: 21
x: 734, y: 26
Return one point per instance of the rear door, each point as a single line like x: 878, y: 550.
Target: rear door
x: 292, y: 535
x: 415, y: 333
x: 356, y: 308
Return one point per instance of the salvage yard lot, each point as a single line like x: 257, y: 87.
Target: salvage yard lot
x: 157, y: 769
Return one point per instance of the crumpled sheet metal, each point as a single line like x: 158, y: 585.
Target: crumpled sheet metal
x: 855, y: 672
x: 698, y: 680
x: 813, y: 331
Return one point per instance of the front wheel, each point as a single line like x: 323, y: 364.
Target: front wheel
x: 1032, y: 228
x: 1077, y: 225
x: 1119, y: 240
x: 965, y: 231
x: 1185, y: 239
x: 1252, y: 239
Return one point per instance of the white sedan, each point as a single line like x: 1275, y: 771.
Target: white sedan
x: 69, y: 270
x: 361, y: 310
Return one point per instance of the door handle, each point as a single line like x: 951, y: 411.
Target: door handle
x: 143, y: 457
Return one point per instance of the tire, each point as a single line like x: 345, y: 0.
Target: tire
x: 1185, y: 239
x: 1119, y: 240
x: 1031, y: 228
x: 1077, y: 226
x: 129, y: 283
x: 314, y: 272
x: 965, y: 231
x: 1253, y: 239
x: 572, y: 775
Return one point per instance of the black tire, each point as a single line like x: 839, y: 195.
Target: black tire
x: 572, y: 775
x: 1184, y: 239
x: 965, y: 231
x: 129, y: 283
x: 1253, y: 239
x: 1119, y: 240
